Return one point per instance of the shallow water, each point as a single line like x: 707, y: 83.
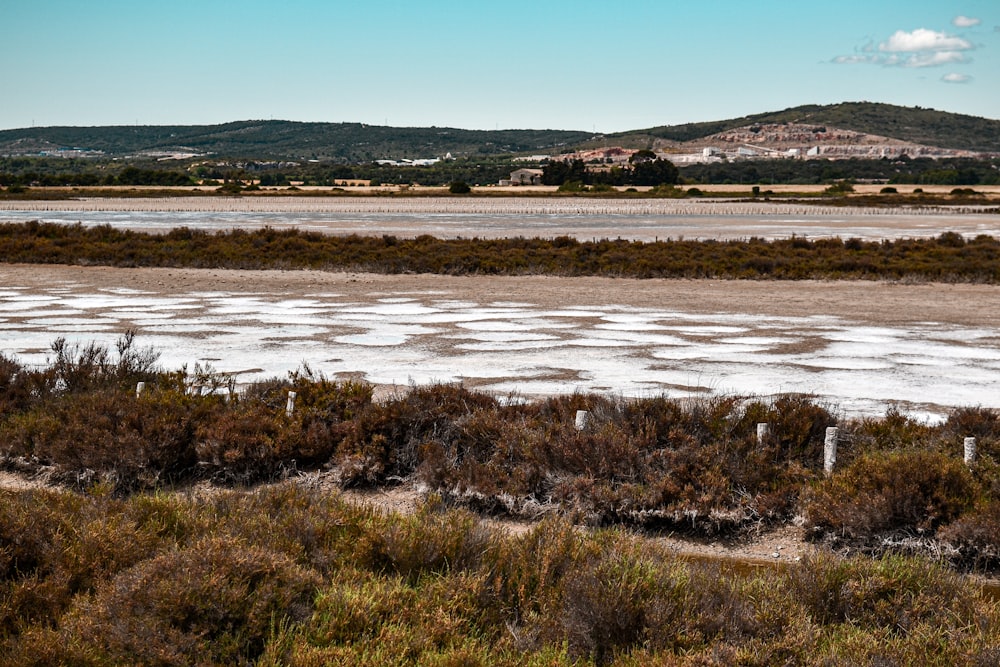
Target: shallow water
x: 585, y: 227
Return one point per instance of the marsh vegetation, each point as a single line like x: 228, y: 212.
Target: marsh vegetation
x: 135, y: 565
x: 947, y: 257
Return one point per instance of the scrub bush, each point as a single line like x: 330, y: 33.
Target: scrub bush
x: 948, y: 257
x: 291, y: 575
x: 213, y: 602
x: 909, y: 490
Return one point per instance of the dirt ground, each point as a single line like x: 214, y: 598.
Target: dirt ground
x: 862, y: 301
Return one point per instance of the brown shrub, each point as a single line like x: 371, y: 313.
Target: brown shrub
x: 605, y: 604
x: 976, y: 535
x: 131, y: 442
x: 248, y: 443
x: 798, y: 429
x: 55, y: 546
x: 384, y: 441
x: 980, y: 423
x: 894, y: 594
x: 213, y: 602
x: 430, y: 541
x: 915, y: 490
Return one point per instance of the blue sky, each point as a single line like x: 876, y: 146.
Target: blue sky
x: 599, y: 66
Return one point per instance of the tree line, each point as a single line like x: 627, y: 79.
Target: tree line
x: 31, y: 172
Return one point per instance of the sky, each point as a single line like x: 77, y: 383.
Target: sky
x: 600, y: 66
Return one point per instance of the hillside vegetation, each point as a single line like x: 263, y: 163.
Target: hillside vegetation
x: 279, y: 139
x: 916, y: 124
x: 357, y: 142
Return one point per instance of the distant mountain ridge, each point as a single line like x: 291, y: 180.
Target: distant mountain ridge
x: 357, y: 142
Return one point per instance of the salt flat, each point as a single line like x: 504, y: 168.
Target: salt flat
x: 860, y: 346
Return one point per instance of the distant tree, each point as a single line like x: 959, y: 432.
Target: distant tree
x: 572, y: 186
x: 840, y: 188
x: 557, y: 173
x: 230, y: 188
x: 459, y: 188
x: 645, y: 155
x: 654, y: 172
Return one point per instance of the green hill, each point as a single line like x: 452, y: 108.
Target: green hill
x: 916, y: 124
x: 278, y: 139
x: 356, y: 142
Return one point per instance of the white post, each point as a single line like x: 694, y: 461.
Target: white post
x: 139, y: 387
x: 290, y: 406
x: 970, y: 450
x: 763, y: 428
x: 582, y: 419
x: 830, y: 450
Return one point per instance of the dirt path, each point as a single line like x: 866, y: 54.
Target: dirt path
x: 784, y: 544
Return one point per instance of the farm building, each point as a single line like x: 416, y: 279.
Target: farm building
x: 524, y: 177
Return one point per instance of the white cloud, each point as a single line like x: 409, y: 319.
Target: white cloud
x: 923, y: 39
x: 915, y: 49
x: 912, y: 60
x: 955, y: 77
x: 842, y: 60
x: 934, y: 59
x: 965, y: 21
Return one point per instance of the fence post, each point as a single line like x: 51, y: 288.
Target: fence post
x: 139, y: 387
x: 970, y: 451
x: 763, y: 428
x: 830, y: 450
x: 582, y: 419
x: 290, y: 406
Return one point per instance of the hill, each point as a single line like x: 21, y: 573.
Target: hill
x: 357, y: 142
x: 912, y: 125
x: 279, y: 139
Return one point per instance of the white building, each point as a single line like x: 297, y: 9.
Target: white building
x: 524, y: 177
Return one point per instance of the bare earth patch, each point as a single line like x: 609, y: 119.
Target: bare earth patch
x: 866, y: 301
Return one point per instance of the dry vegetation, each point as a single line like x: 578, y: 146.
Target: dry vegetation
x: 126, y: 567
x: 291, y: 576
x: 948, y: 257
x: 692, y: 466
x: 125, y: 571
